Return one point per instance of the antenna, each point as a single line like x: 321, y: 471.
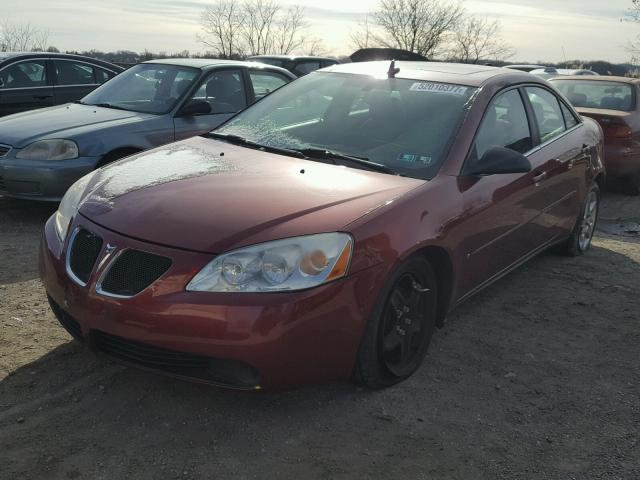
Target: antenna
x: 393, y: 69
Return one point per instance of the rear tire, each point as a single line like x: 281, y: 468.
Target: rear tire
x: 580, y: 240
x: 397, y: 335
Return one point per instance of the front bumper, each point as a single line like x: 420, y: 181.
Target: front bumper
x: 41, y: 180
x: 285, y: 339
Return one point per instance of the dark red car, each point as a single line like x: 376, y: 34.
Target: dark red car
x: 323, y: 233
x: 613, y: 103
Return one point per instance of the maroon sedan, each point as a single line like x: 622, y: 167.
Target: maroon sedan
x: 613, y: 103
x: 323, y: 233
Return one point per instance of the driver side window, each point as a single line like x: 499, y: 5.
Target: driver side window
x: 505, y: 125
x: 224, y: 91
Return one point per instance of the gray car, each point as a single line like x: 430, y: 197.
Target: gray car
x: 43, y: 152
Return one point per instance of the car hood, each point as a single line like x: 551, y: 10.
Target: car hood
x: 61, y: 121
x: 210, y: 196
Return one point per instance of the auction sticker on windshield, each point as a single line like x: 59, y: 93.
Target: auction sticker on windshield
x: 438, y: 87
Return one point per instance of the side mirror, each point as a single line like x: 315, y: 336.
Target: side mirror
x: 195, y: 107
x: 500, y: 160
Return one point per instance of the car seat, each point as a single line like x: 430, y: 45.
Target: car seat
x: 224, y: 93
x: 578, y: 99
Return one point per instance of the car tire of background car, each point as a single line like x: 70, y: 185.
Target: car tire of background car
x: 580, y: 240
x: 631, y: 185
x: 397, y: 335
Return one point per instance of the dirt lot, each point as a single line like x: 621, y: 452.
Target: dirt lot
x: 537, y: 377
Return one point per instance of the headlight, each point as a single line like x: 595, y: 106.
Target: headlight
x: 69, y: 205
x: 282, y: 265
x: 49, y: 150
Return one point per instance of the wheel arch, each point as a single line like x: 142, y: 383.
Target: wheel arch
x: 440, y: 259
x: 118, y: 153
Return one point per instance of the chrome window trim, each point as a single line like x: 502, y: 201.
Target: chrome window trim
x: 24, y: 88
x: 551, y: 140
x: 82, y: 61
x: 78, y: 85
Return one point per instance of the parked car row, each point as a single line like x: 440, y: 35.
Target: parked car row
x: 613, y: 103
x: 37, y: 80
x: 320, y: 234
x: 43, y: 152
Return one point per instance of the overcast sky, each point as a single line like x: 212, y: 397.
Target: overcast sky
x: 538, y: 29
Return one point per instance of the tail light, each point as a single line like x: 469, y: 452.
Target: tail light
x: 616, y: 128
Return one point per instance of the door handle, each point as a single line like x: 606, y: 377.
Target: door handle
x: 42, y: 97
x: 539, y: 177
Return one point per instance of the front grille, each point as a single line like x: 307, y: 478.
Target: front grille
x: 133, y: 271
x: 4, y: 150
x: 212, y: 370
x: 84, y: 251
x: 65, y: 319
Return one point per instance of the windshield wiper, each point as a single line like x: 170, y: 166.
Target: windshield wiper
x: 107, y: 105
x: 362, y: 161
x: 238, y: 140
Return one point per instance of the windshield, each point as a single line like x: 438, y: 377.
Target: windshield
x: 405, y: 125
x: 596, y: 94
x: 146, y: 88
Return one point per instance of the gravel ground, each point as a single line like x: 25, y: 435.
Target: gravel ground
x: 537, y: 377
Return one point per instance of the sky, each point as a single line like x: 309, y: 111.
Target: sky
x: 540, y: 30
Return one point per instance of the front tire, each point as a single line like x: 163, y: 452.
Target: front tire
x: 580, y: 240
x: 397, y: 336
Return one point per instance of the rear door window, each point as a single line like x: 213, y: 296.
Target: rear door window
x: 224, y: 90
x: 505, y: 124
x: 570, y: 119
x: 547, y: 111
x: 304, y: 67
x: 28, y: 74
x: 103, y: 75
x: 73, y: 73
x: 265, y: 82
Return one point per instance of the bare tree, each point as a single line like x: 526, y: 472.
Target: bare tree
x: 222, y: 25
x: 259, y: 23
x: 22, y: 37
x: 315, y: 47
x: 633, y: 47
x: 477, y: 38
x: 420, y: 26
x: 288, y: 34
x: 364, y: 35
x: 253, y: 27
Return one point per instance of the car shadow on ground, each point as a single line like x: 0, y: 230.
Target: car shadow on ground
x: 532, y: 377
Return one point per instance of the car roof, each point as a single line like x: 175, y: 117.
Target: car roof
x: 599, y: 78
x: 457, y: 73
x: 293, y: 57
x: 209, y: 63
x: 4, y: 56
x: 524, y: 65
x: 196, y: 62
